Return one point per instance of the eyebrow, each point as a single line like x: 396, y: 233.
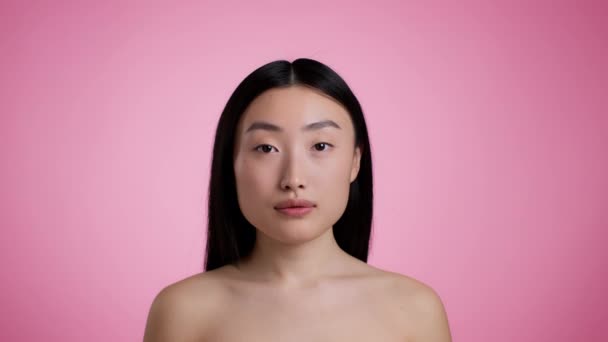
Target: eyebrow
x: 266, y: 126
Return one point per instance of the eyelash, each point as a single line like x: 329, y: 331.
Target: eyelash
x: 257, y: 148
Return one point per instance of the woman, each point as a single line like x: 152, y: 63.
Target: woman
x: 290, y: 213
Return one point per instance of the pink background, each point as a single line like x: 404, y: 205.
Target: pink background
x: 489, y: 132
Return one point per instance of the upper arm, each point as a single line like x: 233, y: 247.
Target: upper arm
x: 431, y: 318
x: 172, y: 317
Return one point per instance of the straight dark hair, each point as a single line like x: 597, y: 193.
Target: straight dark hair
x: 230, y: 236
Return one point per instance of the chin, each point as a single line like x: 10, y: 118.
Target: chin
x: 294, y: 233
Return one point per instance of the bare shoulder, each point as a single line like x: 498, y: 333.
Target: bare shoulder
x: 421, y: 307
x: 183, y: 311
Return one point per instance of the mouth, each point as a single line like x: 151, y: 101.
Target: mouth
x: 295, y: 211
x: 295, y: 203
x: 295, y: 207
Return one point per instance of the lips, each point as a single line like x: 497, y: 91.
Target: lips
x: 295, y: 203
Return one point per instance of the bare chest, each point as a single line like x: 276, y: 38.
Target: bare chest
x: 329, y: 315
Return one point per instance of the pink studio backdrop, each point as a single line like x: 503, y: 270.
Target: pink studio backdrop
x: 489, y: 131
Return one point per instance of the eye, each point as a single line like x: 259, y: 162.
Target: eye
x: 265, y: 148
x: 322, y: 146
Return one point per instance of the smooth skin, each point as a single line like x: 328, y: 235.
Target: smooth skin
x: 297, y: 284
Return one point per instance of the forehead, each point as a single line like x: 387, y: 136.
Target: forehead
x: 294, y: 106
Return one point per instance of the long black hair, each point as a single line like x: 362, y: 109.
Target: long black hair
x: 230, y: 236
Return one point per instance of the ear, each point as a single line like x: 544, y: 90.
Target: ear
x: 356, y: 164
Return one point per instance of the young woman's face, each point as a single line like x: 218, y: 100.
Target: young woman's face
x: 294, y: 143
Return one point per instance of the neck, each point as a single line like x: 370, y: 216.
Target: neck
x: 289, y: 265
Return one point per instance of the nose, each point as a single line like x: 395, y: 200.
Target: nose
x: 292, y: 175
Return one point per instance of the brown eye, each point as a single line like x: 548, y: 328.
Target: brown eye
x: 322, y: 146
x: 264, y: 148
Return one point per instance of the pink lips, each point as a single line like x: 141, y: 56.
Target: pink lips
x: 295, y: 207
x: 297, y: 212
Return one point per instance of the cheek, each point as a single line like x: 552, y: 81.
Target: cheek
x: 255, y: 185
x: 253, y: 178
x: 335, y: 179
x: 333, y: 183
x: 335, y: 173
